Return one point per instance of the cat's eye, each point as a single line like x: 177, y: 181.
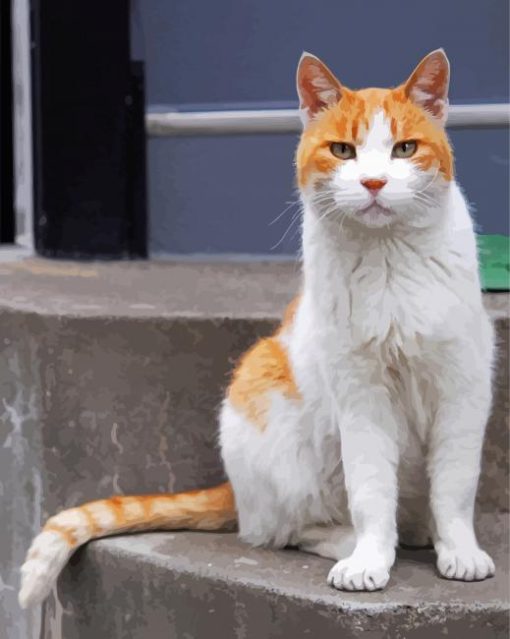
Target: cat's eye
x: 343, y: 150
x: 404, y: 149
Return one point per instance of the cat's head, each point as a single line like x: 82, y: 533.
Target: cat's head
x: 376, y: 156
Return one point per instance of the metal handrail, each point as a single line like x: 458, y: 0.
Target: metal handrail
x: 287, y: 120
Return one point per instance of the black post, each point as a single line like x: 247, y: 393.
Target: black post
x: 89, y: 135
x: 6, y: 127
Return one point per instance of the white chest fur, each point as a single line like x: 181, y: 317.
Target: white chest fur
x: 390, y: 286
x: 384, y: 304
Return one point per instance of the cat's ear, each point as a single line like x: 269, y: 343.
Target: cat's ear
x: 428, y: 85
x: 317, y: 87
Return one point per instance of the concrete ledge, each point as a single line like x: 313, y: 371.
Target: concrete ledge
x: 148, y: 289
x: 111, y: 376
x: 205, y: 585
x: 247, y: 290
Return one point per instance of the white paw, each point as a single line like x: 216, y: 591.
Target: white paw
x: 472, y: 564
x: 355, y: 573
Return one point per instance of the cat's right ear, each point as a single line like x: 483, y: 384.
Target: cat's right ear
x: 317, y: 87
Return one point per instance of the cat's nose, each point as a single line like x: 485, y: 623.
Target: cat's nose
x: 374, y: 185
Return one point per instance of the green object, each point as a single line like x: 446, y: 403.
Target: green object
x: 494, y: 252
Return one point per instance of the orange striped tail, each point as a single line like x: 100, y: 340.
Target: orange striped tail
x: 208, y: 509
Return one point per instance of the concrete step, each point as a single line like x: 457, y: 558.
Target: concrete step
x: 111, y: 377
x: 203, y: 585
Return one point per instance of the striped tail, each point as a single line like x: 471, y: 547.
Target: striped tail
x: 209, y: 509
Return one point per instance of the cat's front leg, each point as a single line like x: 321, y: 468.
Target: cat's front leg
x: 370, y: 461
x: 454, y: 468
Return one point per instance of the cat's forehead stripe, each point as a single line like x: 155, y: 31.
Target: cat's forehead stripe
x: 379, y: 132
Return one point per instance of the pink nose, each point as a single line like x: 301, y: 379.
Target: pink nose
x: 374, y: 185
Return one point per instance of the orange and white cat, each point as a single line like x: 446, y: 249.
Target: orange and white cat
x: 361, y: 421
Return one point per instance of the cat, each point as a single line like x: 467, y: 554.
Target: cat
x: 360, y: 422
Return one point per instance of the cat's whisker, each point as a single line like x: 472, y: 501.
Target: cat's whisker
x: 426, y: 202
x: 289, y: 206
x: 427, y: 186
x: 328, y: 211
x: 295, y: 217
x: 295, y: 233
x: 342, y: 220
x: 324, y: 200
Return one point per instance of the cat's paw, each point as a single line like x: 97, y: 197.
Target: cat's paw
x: 357, y: 573
x: 471, y: 564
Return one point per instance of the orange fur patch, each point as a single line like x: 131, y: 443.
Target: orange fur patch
x: 93, y: 525
x: 115, y: 506
x: 65, y: 532
x: 263, y: 369
x: 290, y: 313
x: 218, y: 504
x: 207, y: 509
x: 349, y: 120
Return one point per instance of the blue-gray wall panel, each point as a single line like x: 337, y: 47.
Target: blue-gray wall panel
x: 247, y: 50
x: 219, y: 194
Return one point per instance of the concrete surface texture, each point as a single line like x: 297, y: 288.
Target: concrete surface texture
x: 193, y: 584
x: 111, y: 377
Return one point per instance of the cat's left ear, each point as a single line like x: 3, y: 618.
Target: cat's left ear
x: 317, y: 87
x: 428, y: 85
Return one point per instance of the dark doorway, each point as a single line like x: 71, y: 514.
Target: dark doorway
x: 89, y: 138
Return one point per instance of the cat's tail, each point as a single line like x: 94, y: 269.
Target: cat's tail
x: 209, y: 509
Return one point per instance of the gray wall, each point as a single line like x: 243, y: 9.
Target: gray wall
x: 217, y: 195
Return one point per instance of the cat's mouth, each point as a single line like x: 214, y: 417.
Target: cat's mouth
x: 374, y: 209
